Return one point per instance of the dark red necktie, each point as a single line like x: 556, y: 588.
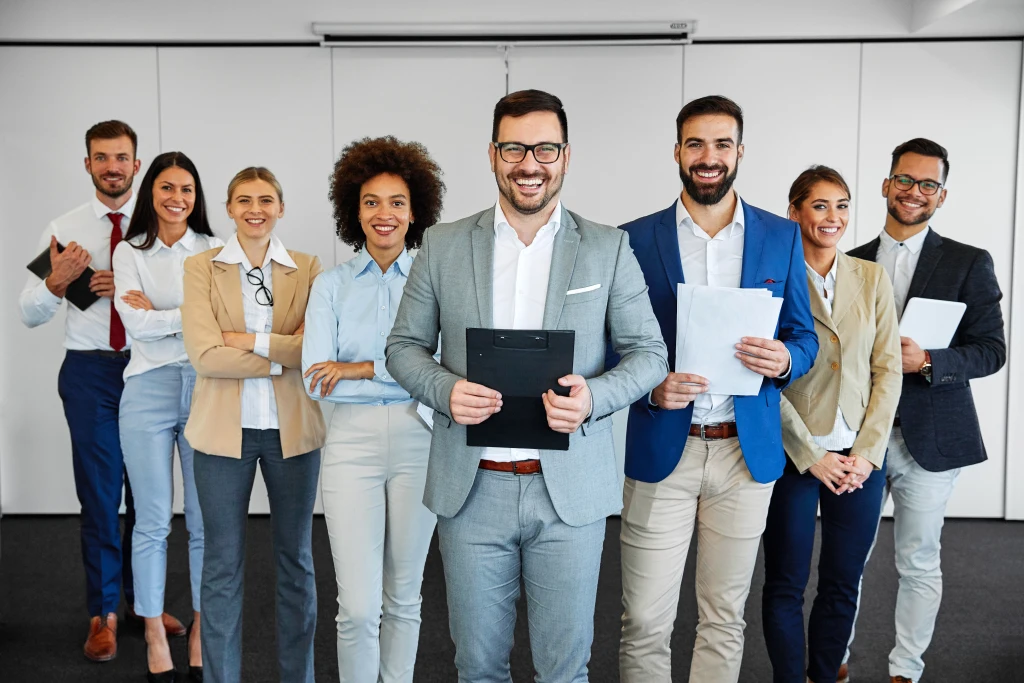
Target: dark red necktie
x: 117, y: 337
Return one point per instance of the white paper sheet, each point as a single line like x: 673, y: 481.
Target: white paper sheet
x: 710, y: 322
x: 931, y: 322
x: 426, y: 414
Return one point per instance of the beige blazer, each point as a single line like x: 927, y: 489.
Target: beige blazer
x: 213, y: 304
x: 858, y: 367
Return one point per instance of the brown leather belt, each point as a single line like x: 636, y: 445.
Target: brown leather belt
x: 515, y: 467
x: 714, y: 431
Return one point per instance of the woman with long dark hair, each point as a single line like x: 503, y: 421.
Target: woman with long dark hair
x: 169, y: 224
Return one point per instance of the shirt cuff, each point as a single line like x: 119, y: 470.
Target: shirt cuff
x: 380, y: 371
x: 262, y: 347
x: 275, y: 368
x: 45, y: 297
x: 789, y: 365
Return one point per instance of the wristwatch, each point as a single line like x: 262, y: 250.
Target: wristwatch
x: 926, y: 369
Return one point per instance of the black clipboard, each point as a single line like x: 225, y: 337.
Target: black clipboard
x: 521, y: 365
x: 78, y: 292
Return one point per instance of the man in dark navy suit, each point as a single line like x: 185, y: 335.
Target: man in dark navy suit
x: 694, y: 457
x: 936, y: 431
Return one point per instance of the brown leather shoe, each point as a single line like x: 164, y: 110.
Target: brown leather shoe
x: 173, y: 627
x: 844, y: 674
x: 101, y: 645
x: 900, y: 679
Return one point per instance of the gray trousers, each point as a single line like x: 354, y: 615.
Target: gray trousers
x: 224, y: 486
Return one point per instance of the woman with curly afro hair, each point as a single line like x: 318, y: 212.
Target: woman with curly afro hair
x: 385, y: 194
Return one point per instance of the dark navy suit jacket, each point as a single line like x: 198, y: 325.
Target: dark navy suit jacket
x: 938, y: 419
x: 773, y: 258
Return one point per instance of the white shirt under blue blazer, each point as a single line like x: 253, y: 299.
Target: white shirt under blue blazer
x: 773, y: 258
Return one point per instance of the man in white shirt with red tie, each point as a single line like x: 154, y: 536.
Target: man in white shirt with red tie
x: 90, y: 380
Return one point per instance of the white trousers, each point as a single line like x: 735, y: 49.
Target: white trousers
x: 374, y: 469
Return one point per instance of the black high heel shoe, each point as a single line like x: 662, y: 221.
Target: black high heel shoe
x: 162, y: 677
x: 195, y: 673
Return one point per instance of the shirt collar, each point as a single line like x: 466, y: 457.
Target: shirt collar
x: 553, y: 224
x: 914, y: 244
x: 363, y: 262
x: 232, y: 253
x: 101, y: 209
x: 187, y: 242
x: 734, y: 229
x: 832, y: 272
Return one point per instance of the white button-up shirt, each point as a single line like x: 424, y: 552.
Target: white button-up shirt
x: 520, y: 280
x: 841, y: 436
x: 88, y: 225
x: 716, y: 261
x: 259, y: 404
x: 157, y: 272
x: 899, y: 259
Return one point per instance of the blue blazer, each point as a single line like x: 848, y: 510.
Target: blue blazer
x: 773, y: 258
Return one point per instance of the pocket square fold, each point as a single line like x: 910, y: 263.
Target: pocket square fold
x: 581, y: 290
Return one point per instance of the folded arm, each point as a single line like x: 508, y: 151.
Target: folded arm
x: 140, y: 323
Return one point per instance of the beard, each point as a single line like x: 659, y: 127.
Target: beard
x: 922, y: 216
x: 100, y: 186
x: 705, y: 194
x: 535, y: 205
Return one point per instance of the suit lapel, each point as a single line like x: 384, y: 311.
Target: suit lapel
x: 931, y: 253
x: 666, y: 234
x: 818, y: 306
x: 284, y: 291
x: 849, y: 282
x: 229, y: 286
x: 753, y: 245
x: 563, y: 260
x: 483, y: 266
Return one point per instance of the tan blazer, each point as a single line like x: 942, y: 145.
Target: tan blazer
x: 858, y: 367
x: 213, y: 304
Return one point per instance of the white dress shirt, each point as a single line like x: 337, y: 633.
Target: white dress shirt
x: 259, y: 405
x: 158, y: 273
x: 521, y: 275
x: 88, y: 225
x: 717, y: 262
x: 841, y: 436
x: 900, y: 261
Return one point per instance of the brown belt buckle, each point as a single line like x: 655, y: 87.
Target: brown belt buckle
x: 515, y: 468
x: 702, y: 426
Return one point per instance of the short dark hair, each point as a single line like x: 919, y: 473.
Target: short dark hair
x: 705, y: 106
x: 368, y: 158
x: 110, y: 130
x: 525, y: 102
x: 144, y: 221
x: 924, y: 147
x: 805, y: 182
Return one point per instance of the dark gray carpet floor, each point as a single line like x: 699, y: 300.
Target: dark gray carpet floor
x: 43, y: 623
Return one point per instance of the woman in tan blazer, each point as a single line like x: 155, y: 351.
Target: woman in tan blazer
x: 835, y: 425
x: 243, y: 326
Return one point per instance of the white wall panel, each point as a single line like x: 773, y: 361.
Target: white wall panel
x: 1015, y: 369
x: 621, y: 103
x: 51, y: 97
x: 232, y: 108
x: 966, y: 97
x: 800, y: 107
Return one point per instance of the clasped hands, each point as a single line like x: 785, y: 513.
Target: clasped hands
x: 842, y: 473
x: 473, y: 403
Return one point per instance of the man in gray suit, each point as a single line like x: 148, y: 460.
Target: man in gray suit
x: 506, y: 514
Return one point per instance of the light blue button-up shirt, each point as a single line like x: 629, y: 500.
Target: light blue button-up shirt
x: 348, y: 319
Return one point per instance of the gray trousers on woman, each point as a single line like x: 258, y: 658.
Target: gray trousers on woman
x: 224, y: 486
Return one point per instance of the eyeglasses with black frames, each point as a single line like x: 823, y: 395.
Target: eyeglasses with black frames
x: 263, y: 295
x: 905, y: 183
x: 543, y: 152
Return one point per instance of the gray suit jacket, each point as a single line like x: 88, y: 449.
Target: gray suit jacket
x: 450, y: 288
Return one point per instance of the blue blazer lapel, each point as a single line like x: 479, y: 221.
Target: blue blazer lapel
x: 753, y: 245
x: 667, y: 238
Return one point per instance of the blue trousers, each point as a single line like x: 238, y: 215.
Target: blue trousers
x: 224, y: 486
x: 848, y: 525
x: 90, y: 387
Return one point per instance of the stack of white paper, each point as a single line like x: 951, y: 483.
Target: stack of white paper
x: 710, y: 322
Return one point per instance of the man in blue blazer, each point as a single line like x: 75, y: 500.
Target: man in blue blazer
x: 694, y: 457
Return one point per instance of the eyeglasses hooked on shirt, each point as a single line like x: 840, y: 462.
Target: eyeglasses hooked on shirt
x: 263, y: 295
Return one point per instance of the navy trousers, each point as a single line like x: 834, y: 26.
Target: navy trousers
x: 90, y: 387
x: 848, y: 525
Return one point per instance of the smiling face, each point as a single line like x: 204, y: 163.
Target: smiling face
x: 709, y: 157
x: 911, y: 207
x: 255, y: 208
x: 385, y: 211
x: 530, y: 187
x: 823, y: 215
x: 174, y: 195
x: 112, y: 165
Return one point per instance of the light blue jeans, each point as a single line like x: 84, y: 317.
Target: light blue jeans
x: 508, y: 530
x: 154, y: 410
